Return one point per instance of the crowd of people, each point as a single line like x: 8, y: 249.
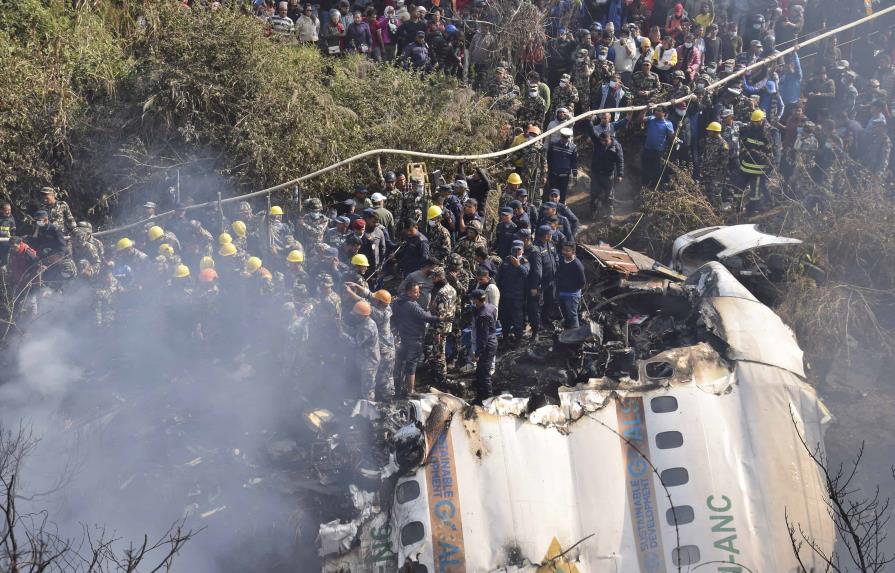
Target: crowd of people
x: 403, y: 273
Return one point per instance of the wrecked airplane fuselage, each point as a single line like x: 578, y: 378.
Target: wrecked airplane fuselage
x: 674, y: 439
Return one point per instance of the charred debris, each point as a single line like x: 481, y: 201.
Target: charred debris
x: 636, y: 308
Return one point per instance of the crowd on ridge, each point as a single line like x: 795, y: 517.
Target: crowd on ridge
x: 403, y: 273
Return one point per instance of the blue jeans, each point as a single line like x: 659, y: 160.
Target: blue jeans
x: 568, y: 306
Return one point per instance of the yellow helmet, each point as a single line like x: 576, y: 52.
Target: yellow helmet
x: 155, y: 233
x: 514, y: 179
x: 360, y: 260
x: 295, y: 256
x: 166, y: 250
x: 239, y: 228
x: 181, y: 272
x: 124, y: 243
x: 434, y: 212
x: 714, y: 126
x: 253, y: 264
x: 227, y: 250
x: 757, y: 115
x: 206, y: 263
x: 224, y: 238
x: 276, y: 210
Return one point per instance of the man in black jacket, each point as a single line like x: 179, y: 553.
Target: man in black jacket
x: 410, y: 320
x: 511, y: 282
x: 533, y: 295
x: 544, y: 244
x: 415, y: 250
x: 562, y: 163
x: 607, y: 167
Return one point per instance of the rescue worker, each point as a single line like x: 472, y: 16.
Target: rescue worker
x: 312, y: 224
x: 473, y: 239
x: 714, y: 163
x: 485, y: 344
x: 381, y: 314
x: 562, y: 163
x: 439, y: 236
x: 582, y: 68
x: 607, y: 167
x: 7, y: 230
x: 534, y: 161
x: 570, y: 279
x: 444, y: 306
x: 565, y: 96
x: 59, y: 213
x: 410, y: 320
x: 156, y: 236
x: 363, y: 335
x: 414, y: 252
x: 758, y: 156
x: 563, y: 210
x: 547, y: 296
x: 532, y: 110
x: 511, y: 282
x: 296, y: 279
x: 505, y: 232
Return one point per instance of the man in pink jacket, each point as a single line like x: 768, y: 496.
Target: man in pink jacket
x: 689, y: 60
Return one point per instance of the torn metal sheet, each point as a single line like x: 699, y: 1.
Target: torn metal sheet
x: 628, y: 262
x: 692, y: 250
x: 691, y: 460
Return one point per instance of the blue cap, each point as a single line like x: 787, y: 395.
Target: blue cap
x: 597, y: 27
x: 348, y: 202
x: 362, y: 190
x: 544, y: 230
x: 518, y: 243
x: 506, y: 210
x: 420, y: 34
x: 554, y: 192
x: 524, y: 232
x: 342, y: 219
x: 40, y: 213
x: 515, y: 204
x: 562, y: 31
x: 522, y: 192
x: 550, y: 205
x: 367, y: 212
x: 477, y: 294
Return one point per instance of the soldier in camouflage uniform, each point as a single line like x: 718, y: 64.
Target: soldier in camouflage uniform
x: 458, y: 275
x: 312, y: 224
x: 58, y: 212
x: 363, y: 335
x: 104, y: 299
x: 678, y: 89
x: 715, y: 155
x: 582, y: 68
x: 645, y: 84
x: 467, y: 245
x: 413, y: 201
x: 534, y: 164
x: 444, y: 306
x: 503, y: 90
x: 328, y: 302
x: 604, y: 69
x: 532, y: 110
x: 394, y: 197
x: 565, y: 95
x: 438, y: 235
x: 86, y: 247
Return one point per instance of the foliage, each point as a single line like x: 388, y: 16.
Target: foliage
x: 207, y: 96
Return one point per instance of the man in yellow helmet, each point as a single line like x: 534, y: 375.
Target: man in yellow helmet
x: 438, y: 235
x: 759, y: 155
x: 156, y: 235
x: 296, y: 278
x: 714, y: 162
x: 277, y: 236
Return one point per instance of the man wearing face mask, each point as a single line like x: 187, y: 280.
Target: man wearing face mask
x: 613, y: 94
x: 582, y: 68
x: 689, y: 58
x: 534, y: 162
x: 603, y: 68
x: 533, y: 108
x: 565, y: 96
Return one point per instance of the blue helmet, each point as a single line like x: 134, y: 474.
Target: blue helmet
x: 450, y: 29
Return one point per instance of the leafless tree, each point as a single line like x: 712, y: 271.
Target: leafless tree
x: 860, y: 520
x: 30, y: 541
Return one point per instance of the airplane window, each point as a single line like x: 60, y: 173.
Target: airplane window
x: 663, y: 404
x: 407, y: 491
x: 685, y: 555
x: 659, y: 370
x: 667, y: 440
x: 674, y: 476
x: 412, y: 533
x: 680, y: 515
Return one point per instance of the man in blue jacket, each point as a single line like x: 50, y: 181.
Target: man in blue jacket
x: 410, y: 320
x: 511, y: 282
x: 790, y: 83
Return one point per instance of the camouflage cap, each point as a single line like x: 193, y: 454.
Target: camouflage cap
x: 325, y: 279
x: 454, y: 261
x: 437, y: 271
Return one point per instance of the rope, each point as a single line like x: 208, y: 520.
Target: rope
x: 502, y: 152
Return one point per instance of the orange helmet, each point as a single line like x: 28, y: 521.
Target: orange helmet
x: 383, y: 296
x: 208, y: 275
x: 362, y: 308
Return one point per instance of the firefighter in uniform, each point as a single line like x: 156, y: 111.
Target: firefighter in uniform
x: 760, y: 147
